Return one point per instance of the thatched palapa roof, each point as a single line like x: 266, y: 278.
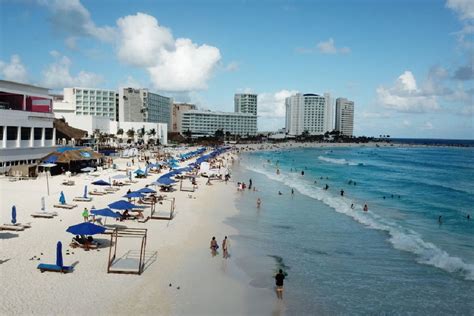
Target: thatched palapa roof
x: 68, y: 154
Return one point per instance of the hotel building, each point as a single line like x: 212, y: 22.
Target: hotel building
x: 206, y: 123
x: 308, y: 112
x: 26, y: 124
x: 345, y: 116
x: 178, y: 109
x: 140, y: 105
x: 245, y: 103
x: 87, y: 101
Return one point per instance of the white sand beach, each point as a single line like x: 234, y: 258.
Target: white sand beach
x: 180, y: 277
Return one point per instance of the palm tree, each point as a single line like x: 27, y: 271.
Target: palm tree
x: 131, y: 133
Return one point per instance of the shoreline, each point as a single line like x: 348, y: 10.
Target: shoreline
x: 177, y: 253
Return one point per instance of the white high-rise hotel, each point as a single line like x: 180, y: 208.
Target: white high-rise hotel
x: 345, y: 116
x: 309, y: 112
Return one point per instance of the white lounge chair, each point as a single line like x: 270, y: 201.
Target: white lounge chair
x: 44, y: 214
x: 82, y: 199
x: 66, y: 206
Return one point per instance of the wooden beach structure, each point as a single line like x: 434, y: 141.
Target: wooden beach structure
x: 132, y: 262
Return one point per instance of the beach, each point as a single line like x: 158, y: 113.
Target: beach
x: 181, y: 277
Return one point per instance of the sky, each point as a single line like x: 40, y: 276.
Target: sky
x: 407, y: 65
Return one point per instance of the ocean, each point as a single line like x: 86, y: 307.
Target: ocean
x: 400, y: 257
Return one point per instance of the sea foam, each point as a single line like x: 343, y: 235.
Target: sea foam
x: 339, y: 161
x: 400, y: 237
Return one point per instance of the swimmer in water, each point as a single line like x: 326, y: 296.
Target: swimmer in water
x: 326, y: 187
x: 352, y: 206
x: 279, y: 193
x: 342, y: 192
x: 366, y: 208
x: 440, y: 219
x: 259, y: 202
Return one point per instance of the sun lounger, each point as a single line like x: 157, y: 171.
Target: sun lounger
x: 97, y: 193
x: 15, y: 228
x: 54, y: 268
x: 111, y: 189
x: 66, y: 206
x: 86, y: 246
x: 82, y: 199
x: 43, y: 215
x: 68, y: 182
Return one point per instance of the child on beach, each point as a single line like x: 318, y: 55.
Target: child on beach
x: 85, y: 214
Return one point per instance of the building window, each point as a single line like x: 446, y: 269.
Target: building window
x: 12, y: 132
x: 48, y: 133
x: 38, y: 133
x: 25, y: 133
x: 1, y: 132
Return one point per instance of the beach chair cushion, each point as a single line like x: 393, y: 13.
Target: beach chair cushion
x: 54, y: 268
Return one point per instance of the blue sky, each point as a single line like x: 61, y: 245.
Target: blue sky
x: 406, y: 64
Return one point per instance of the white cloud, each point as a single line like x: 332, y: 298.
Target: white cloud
x: 72, y: 18
x: 173, y: 65
x: 71, y: 42
x: 464, y: 8
x: 375, y: 115
x: 328, y: 47
x: 14, y: 70
x: 188, y: 67
x: 272, y: 105
x: 427, y: 126
x: 142, y: 40
x: 232, y: 66
x: 57, y: 75
x: 405, y: 96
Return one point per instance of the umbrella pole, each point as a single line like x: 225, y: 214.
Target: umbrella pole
x: 47, y: 181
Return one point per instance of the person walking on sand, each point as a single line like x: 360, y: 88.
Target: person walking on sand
x: 85, y: 214
x: 225, y: 247
x: 214, y: 246
x: 279, y: 284
x: 259, y: 202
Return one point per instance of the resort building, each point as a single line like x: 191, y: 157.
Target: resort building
x: 345, y: 116
x: 206, y: 123
x: 87, y: 101
x: 179, y: 108
x: 308, y: 112
x: 26, y: 124
x: 245, y: 103
x: 140, y: 105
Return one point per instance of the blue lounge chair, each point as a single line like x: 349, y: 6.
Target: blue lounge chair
x: 54, y: 268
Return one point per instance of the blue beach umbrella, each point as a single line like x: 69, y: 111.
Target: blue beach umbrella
x: 100, y: 182
x: 85, y: 191
x: 59, y: 254
x: 85, y: 228
x: 62, y: 198
x: 123, y: 205
x: 13, y: 214
x: 134, y: 195
x: 165, y: 181
x: 106, y: 212
x: 146, y: 190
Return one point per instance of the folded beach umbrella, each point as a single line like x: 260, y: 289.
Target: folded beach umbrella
x: 85, y: 228
x: 134, y: 194
x: 100, y: 182
x: 123, y: 205
x: 107, y: 212
x: 62, y: 198
x: 59, y: 254
x: 146, y: 190
x: 13, y: 214
x: 85, y: 191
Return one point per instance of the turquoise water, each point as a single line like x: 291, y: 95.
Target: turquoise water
x: 394, y: 259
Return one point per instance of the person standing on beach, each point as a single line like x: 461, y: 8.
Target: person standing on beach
x: 214, y: 246
x: 259, y: 202
x: 85, y: 214
x: 250, y: 184
x: 279, y: 284
x: 225, y: 247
